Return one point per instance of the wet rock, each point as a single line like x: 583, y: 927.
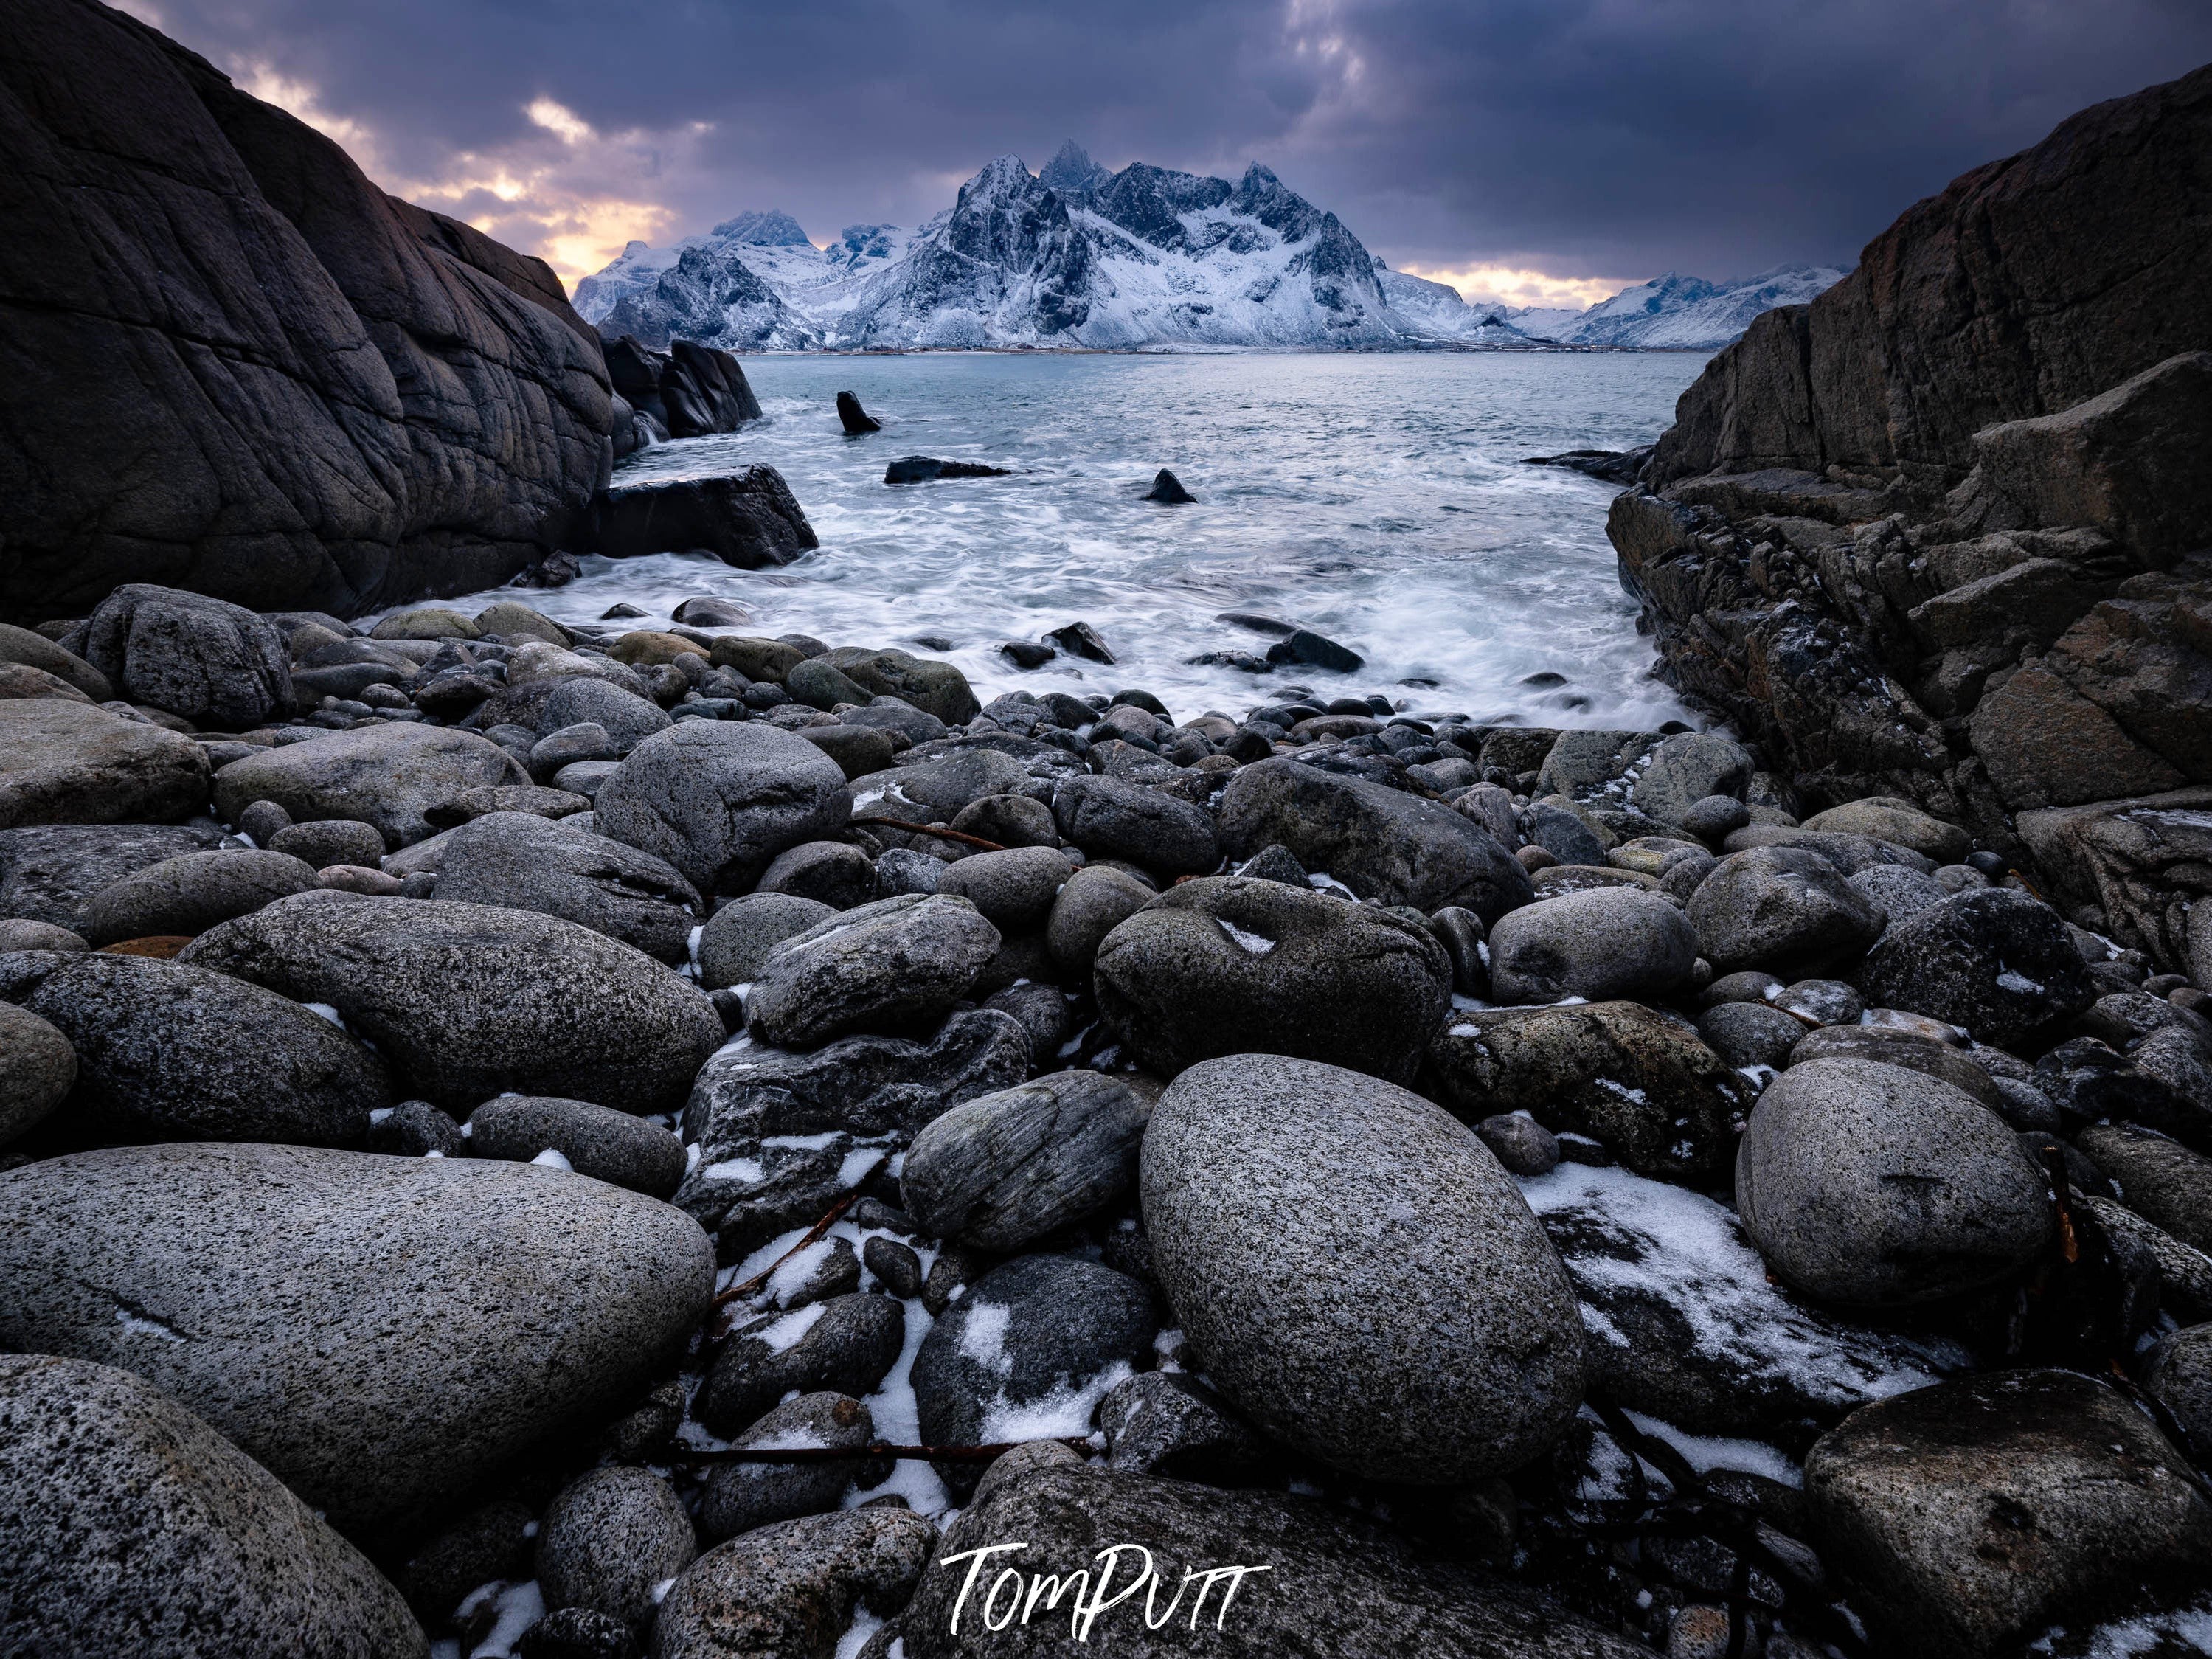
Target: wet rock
x: 595, y: 1140
x: 1996, y: 962
x: 1781, y: 909
x: 1109, y: 818
x: 1870, y: 1185
x: 1080, y: 639
x: 519, y: 861
x: 1026, y: 1352
x: 1382, y: 844
x: 831, y: 872
x: 69, y: 763
x: 1633, y: 1079
x: 464, y: 1001
x: 388, y: 775
x: 610, y: 1538
x: 1224, y: 965
x: 1599, y: 944
x: 1965, y: 1518
x: 38, y: 1068
x: 2159, y: 1179
x: 125, y: 1515
x: 741, y: 1497
x: 1304, y: 647
x: 749, y: 520
x: 169, y: 1052
x: 1094, y: 901
x: 304, y: 1302
x: 1168, y: 489
x: 845, y: 1345
x: 1306, y: 1325
x: 921, y: 469
x: 719, y: 800
x: 211, y: 662
x: 856, y: 421
x: 1005, y: 1169
x: 736, y: 942
x: 794, y: 1587
x: 894, y: 966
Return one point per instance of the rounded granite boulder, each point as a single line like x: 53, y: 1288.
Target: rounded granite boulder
x: 191, y: 893
x: 389, y: 776
x: 1598, y: 944
x: 719, y: 800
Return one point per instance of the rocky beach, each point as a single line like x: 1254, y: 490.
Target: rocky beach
x: 640, y: 1139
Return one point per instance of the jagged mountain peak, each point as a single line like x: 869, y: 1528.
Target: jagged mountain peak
x: 1070, y: 173
x: 772, y: 229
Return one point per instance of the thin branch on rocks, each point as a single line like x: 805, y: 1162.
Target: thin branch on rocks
x: 962, y: 837
x: 814, y: 1235
x: 841, y: 1454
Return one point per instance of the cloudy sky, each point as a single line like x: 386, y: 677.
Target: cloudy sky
x: 1542, y: 151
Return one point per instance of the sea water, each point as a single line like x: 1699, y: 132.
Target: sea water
x: 1384, y: 501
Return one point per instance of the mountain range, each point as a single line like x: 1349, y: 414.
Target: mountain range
x: 1075, y: 256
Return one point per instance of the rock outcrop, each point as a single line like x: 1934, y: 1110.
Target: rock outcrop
x: 1942, y: 534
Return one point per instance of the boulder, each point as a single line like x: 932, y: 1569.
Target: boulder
x: 1095, y: 900
x: 208, y: 661
x: 1869, y: 1185
x: 388, y: 775
x: 1168, y: 489
x: 38, y: 1068
x: 741, y: 1497
x: 2159, y: 1179
x: 892, y: 967
x: 846, y: 1345
x: 325, y: 841
x: 1336, y: 1584
x: 610, y: 1539
x: 49, y: 872
x: 1005, y: 1169
x: 1900, y: 822
x: 517, y: 860
x: 1965, y: 1518
x: 1109, y: 817
x: 1382, y: 843
x: 1227, y: 965
x: 855, y: 420
x: 626, y: 717
x: 592, y: 1140
x: 465, y: 1001
x: 2179, y: 1377
x: 938, y: 689
x: 304, y: 1302
x: 1601, y: 943
x: 1691, y: 767
x: 26, y: 649
x: 1400, y: 1316
x: 1635, y: 1080
x: 1752, y: 1034
x: 734, y: 944
x: 719, y: 800
x: 69, y: 762
x: 749, y: 519
x: 858, y: 750
x: 1996, y: 962
x: 191, y: 893
x: 1782, y: 909
x: 831, y: 872
x: 131, y: 1527
x: 1891, y: 1047
x: 794, y: 1587
x: 1014, y: 890
x: 168, y: 1052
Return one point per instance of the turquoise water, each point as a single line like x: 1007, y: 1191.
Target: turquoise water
x: 1379, y: 500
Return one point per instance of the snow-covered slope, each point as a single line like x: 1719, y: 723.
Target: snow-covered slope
x: 1079, y: 256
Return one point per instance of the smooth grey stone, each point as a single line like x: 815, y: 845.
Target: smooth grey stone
x: 1899, y: 891
x: 1014, y: 890
x: 415, y: 1128
x: 1746, y: 985
x: 936, y: 688
x: 1968, y: 1517
x: 17, y: 935
x: 846, y: 1345
x: 1041, y: 1010
x: 2179, y: 1377
x: 1751, y: 1033
x: 740, y: 1497
x: 38, y: 1068
x: 519, y: 861
x: 2185, y: 1275
x: 1782, y: 909
x: 1825, y: 1001
x: 1712, y: 816
x: 1306, y: 1324
x: 820, y: 685
x: 896, y: 715
x: 1872, y: 1185
x: 1338, y: 1585
x: 1382, y: 843
x: 31, y: 649
x: 627, y: 719
x: 1689, y: 768
x: 1602, y: 944
x: 1095, y: 900
x: 1996, y: 962
x: 1685, y: 872
x: 935, y: 786
x: 585, y: 741
x: 1891, y: 1047
x: 609, y: 1538
x: 597, y: 1141
x: 304, y: 1302
x: 1848, y: 854
x: 1637, y: 1081
x: 719, y: 800
x: 1007, y: 1169
x: 1010, y: 820
x: 1274, y: 862
x: 791, y: 1586
x: 584, y: 778
x: 2159, y: 1179
x: 170, y: 1052
x: 880, y: 1090
x: 326, y: 841
x: 131, y: 1527
x: 858, y: 751
x: 1224, y: 965
x: 895, y: 1266
x: 1168, y: 1423
x: 831, y: 872
x: 465, y: 1001
x: 1561, y: 833
x: 903, y: 870
x: 75, y: 763
x: 1109, y: 817
x: 1523, y: 1145
x: 210, y: 661
x: 895, y: 966
x: 1467, y: 942
x: 1901, y: 824
x: 735, y: 943
x: 389, y: 776
x: 2026, y: 1106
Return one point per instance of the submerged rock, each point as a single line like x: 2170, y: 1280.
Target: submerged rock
x: 921, y: 469
x: 1167, y: 488
x: 856, y: 421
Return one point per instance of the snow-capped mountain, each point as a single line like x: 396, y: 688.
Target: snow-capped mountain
x: 1079, y: 256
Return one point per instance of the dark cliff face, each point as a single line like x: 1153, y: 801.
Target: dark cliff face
x: 2024, y: 288
x: 236, y: 366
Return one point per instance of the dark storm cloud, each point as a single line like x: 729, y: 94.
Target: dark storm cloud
x: 1590, y: 137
